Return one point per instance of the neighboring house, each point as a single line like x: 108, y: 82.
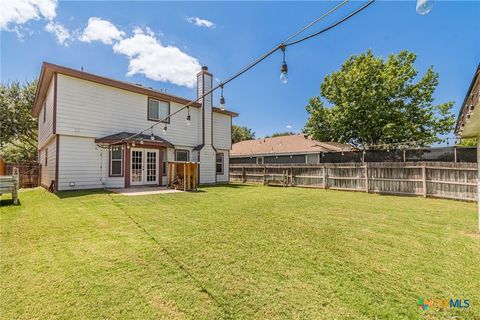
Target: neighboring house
x: 297, y: 148
x: 80, y: 114
x: 468, y: 123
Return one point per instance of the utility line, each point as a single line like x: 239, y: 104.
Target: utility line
x: 249, y: 66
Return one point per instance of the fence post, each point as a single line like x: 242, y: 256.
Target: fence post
x: 291, y: 177
x: 325, y: 178
x: 243, y: 175
x: 366, y: 177
x: 264, y: 174
x: 424, y: 180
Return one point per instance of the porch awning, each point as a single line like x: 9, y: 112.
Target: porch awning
x: 147, y: 139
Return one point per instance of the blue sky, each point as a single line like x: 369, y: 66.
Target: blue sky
x: 447, y: 38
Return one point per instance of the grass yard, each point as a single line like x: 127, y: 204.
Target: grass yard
x: 236, y: 252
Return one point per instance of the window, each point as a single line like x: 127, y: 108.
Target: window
x: 312, y: 158
x: 164, y: 164
x: 219, y: 163
x: 158, y: 110
x: 116, y: 162
x: 44, y: 111
x: 182, y: 155
x: 259, y: 160
x: 46, y: 157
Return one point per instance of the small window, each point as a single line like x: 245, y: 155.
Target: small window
x: 219, y: 163
x: 44, y: 111
x: 46, y: 157
x: 164, y: 164
x: 116, y: 161
x: 259, y: 160
x: 312, y: 158
x: 182, y: 155
x: 158, y: 110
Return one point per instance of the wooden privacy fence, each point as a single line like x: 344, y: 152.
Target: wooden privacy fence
x: 432, y: 179
x: 29, y: 173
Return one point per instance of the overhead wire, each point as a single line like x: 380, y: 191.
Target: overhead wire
x: 249, y: 66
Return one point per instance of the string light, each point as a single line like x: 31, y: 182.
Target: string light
x: 152, y: 136
x: 141, y: 140
x: 284, y: 68
x: 287, y: 42
x: 188, y: 116
x: 164, y: 131
x: 222, y: 99
x: 133, y: 144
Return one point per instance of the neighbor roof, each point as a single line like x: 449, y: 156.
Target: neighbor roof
x: 49, y: 69
x: 293, y: 144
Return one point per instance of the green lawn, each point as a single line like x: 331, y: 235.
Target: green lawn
x: 236, y: 252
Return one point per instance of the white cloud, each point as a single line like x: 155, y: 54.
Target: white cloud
x: 63, y: 35
x: 101, y: 30
x: 17, y: 12
x: 289, y: 126
x: 201, y: 22
x: 149, y: 57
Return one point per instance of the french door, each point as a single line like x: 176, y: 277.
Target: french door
x: 144, y: 167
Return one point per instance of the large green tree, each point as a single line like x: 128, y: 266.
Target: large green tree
x: 375, y: 101
x: 18, y: 135
x: 241, y: 134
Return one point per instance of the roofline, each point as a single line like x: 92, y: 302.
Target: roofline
x: 243, y: 155
x: 54, y: 68
x: 467, y: 95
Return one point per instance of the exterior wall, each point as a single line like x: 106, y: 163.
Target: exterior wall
x: 80, y: 162
x: 222, y: 131
x: 207, y: 165
x: 48, y: 172
x: 90, y: 109
x: 224, y: 178
x: 45, y: 130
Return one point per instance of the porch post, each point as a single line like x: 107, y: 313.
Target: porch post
x: 126, y: 168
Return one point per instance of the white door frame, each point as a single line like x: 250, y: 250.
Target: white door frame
x: 145, y: 166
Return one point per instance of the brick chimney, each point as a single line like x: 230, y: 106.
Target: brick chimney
x: 207, y: 153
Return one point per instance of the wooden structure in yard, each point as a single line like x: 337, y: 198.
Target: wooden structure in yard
x: 182, y: 175
x: 29, y: 173
x: 9, y: 184
x: 427, y: 179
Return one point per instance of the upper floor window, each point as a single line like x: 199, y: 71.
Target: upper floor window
x: 259, y: 160
x: 219, y: 163
x: 182, y: 155
x: 44, y: 111
x: 158, y: 109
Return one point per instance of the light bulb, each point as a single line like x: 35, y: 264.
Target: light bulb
x: 152, y: 137
x: 424, y: 6
x: 164, y: 131
x: 188, y: 120
x: 141, y: 140
x: 283, y: 73
x: 222, y: 103
x: 133, y: 144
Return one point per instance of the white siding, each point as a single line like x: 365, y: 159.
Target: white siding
x: 90, y: 109
x: 48, y: 172
x: 45, y: 130
x: 224, y: 178
x: 222, y: 131
x: 80, y: 162
x: 207, y: 164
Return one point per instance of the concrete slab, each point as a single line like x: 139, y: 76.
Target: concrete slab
x: 143, y: 191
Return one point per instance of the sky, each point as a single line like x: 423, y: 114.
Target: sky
x: 163, y: 44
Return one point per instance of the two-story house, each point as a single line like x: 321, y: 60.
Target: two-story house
x: 85, y: 122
